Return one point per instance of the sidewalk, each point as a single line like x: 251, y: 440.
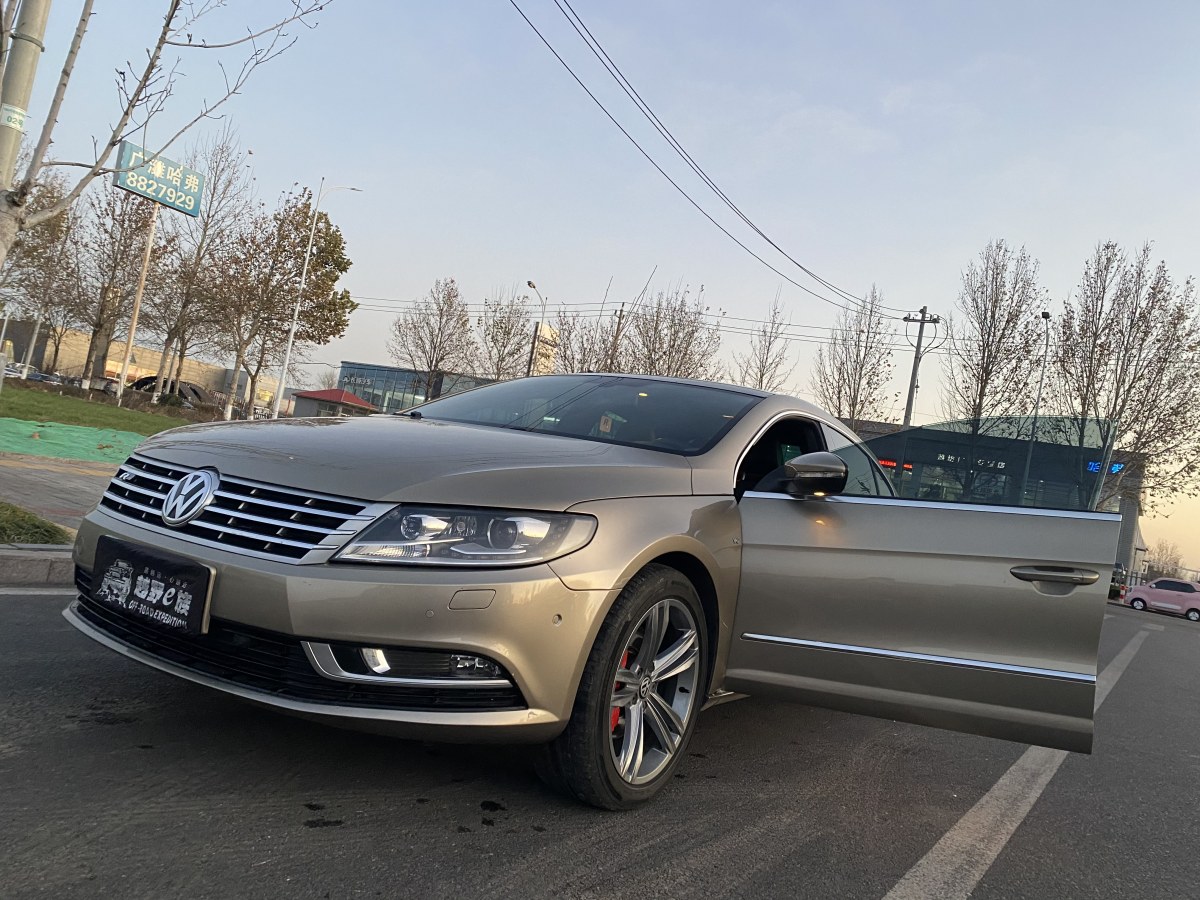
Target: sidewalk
x: 61, y: 490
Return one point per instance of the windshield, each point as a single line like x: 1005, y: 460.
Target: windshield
x: 660, y: 415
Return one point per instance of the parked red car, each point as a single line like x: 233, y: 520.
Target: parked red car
x: 1169, y: 595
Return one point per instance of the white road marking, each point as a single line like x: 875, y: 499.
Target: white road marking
x: 957, y: 862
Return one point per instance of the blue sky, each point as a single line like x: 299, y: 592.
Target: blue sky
x: 878, y: 142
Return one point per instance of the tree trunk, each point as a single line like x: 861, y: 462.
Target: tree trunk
x: 162, y: 366
x: 56, y: 339
x: 252, y: 390
x: 180, y: 356
x: 102, y: 338
x: 10, y: 225
x: 233, y: 388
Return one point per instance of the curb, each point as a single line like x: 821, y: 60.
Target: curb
x: 29, y: 565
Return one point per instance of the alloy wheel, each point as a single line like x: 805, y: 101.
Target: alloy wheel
x: 654, y: 694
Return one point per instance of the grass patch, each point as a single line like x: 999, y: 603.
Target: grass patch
x: 20, y: 527
x: 39, y: 406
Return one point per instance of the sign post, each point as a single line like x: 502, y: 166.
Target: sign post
x: 167, y: 183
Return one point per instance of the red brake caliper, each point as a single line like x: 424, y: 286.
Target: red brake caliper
x: 616, y: 710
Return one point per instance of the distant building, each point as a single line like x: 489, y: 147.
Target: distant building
x: 997, y: 464
x: 392, y: 389
x: 331, y: 402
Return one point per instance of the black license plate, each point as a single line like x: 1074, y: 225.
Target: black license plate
x: 153, y: 586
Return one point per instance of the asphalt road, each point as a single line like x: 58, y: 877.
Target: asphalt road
x: 120, y: 781
x: 61, y: 490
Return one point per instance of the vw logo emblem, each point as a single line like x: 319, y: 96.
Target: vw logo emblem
x: 190, y: 496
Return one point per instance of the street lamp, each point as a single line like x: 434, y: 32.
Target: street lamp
x: 537, y: 331
x: 1037, y: 405
x: 312, y: 230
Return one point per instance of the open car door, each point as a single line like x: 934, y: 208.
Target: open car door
x: 974, y: 618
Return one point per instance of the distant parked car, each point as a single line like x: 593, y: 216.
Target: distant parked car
x: 1168, y: 595
x: 187, y: 391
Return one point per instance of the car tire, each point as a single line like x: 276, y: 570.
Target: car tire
x: 1193, y: 615
x: 627, y: 735
x: 1138, y: 603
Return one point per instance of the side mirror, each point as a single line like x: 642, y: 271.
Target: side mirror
x: 815, y: 475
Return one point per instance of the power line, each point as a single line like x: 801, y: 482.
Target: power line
x: 671, y: 180
x: 630, y: 91
x: 591, y: 309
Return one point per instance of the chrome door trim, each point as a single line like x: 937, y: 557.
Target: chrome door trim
x: 923, y: 657
x: 322, y: 659
x: 786, y: 414
x: 937, y: 504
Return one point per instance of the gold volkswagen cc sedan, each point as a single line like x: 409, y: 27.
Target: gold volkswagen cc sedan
x: 586, y: 561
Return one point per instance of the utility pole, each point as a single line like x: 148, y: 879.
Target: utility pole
x: 1037, y: 407
x: 281, y: 384
x: 537, y: 331
x: 611, y: 363
x: 923, y: 320
x: 20, y: 66
x: 137, y: 303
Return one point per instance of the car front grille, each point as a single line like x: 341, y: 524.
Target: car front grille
x: 245, y: 516
x: 272, y: 663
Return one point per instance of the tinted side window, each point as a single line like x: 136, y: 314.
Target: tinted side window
x: 1166, y: 584
x: 862, y: 476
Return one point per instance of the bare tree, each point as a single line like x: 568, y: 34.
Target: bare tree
x: 327, y: 379
x: 851, y: 374
x: 766, y: 365
x: 144, y: 91
x: 434, y: 337
x: 505, y: 331
x: 671, y: 336
x: 1164, y: 560
x: 1127, y: 362
x: 993, y: 337
x: 115, y: 224
x: 587, y: 343
x: 179, y: 315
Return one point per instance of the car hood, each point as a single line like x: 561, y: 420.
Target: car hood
x: 394, y: 458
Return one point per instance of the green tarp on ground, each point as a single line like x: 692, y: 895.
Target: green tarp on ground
x: 66, y: 441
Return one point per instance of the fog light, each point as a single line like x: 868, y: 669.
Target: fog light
x: 465, y: 666
x: 376, y: 660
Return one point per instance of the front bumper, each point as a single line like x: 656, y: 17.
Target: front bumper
x: 535, y: 627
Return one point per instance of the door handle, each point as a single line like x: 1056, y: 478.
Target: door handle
x: 1058, y: 574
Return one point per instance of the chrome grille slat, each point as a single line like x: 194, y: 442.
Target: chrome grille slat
x: 144, y: 474
x: 130, y: 486
x: 307, y: 510
x: 282, y: 523
x: 242, y: 516
x: 125, y: 501
x: 266, y: 538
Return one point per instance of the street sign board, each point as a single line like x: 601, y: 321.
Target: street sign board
x: 160, y: 179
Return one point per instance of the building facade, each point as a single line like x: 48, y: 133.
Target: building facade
x: 391, y: 389
x: 996, y: 462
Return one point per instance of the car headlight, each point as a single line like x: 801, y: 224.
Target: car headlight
x: 448, y: 536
